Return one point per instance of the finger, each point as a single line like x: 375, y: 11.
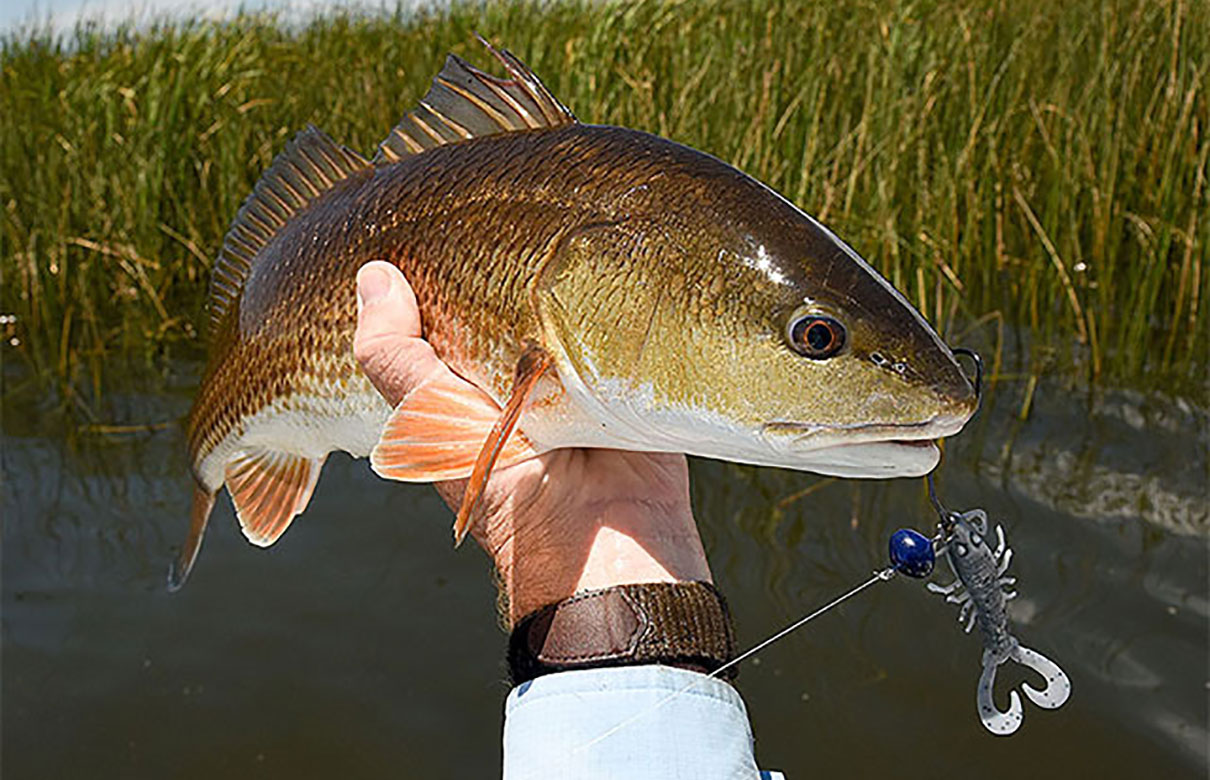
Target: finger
x: 387, y: 342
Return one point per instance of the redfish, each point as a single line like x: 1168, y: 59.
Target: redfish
x: 599, y: 287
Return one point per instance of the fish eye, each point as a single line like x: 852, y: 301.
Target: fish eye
x: 816, y: 336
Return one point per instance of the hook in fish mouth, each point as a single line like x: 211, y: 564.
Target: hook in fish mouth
x: 973, y: 355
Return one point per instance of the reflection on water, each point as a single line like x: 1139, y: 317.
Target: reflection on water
x: 363, y: 645
x: 1127, y: 457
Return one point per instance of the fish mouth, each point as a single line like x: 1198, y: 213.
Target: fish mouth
x: 814, y: 435
x: 871, y: 450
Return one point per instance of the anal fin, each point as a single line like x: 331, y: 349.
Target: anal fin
x: 269, y: 489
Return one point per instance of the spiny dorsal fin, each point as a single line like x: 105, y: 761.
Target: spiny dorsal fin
x: 309, y: 165
x: 464, y: 103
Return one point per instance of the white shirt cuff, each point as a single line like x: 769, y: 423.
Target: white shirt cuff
x: 636, y: 722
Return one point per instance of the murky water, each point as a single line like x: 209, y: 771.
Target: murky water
x: 362, y: 645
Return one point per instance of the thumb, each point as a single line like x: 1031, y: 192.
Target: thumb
x: 387, y: 342
x: 385, y: 301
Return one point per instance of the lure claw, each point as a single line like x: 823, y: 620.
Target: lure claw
x: 1058, y: 684
x: 999, y: 723
x: 944, y: 590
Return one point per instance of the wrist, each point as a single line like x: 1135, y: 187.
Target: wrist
x: 574, y: 520
x: 616, y: 543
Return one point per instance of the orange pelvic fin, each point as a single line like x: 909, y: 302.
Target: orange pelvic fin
x: 203, y: 503
x: 533, y: 363
x: 269, y: 489
x: 437, y: 431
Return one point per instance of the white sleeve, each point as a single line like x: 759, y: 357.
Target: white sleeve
x: 634, y: 722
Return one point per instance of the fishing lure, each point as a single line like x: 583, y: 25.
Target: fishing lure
x: 980, y: 590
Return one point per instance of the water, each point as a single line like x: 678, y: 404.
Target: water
x: 362, y: 645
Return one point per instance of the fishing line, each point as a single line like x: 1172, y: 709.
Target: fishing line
x: 911, y: 553
x: 878, y: 576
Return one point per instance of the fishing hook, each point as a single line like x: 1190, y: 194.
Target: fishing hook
x: 973, y: 355
x: 945, y: 522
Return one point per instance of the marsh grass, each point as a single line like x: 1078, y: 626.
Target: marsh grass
x: 1013, y: 167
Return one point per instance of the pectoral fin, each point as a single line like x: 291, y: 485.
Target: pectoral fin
x: 269, y: 489
x: 437, y: 432
x: 449, y: 429
x: 533, y: 363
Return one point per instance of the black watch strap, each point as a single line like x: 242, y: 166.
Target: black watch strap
x: 683, y: 624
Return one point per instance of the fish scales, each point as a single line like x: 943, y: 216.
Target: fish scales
x: 432, y: 217
x: 467, y: 224
x: 676, y: 305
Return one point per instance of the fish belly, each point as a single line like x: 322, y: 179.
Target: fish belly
x: 304, y: 425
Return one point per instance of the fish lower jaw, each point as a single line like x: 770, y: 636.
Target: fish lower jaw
x: 632, y: 420
x: 866, y: 460
x: 808, y: 436
x: 867, y: 451
x: 873, y: 460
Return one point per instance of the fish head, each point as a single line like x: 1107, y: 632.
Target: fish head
x: 747, y: 331
x: 843, y: 375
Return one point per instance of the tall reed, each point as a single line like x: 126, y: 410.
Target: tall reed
x: 1030, y: 166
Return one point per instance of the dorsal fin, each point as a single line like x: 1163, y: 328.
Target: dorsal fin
x: 464, y: 103
x: 309, y: 165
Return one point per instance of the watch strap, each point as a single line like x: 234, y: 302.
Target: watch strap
x: 683, y: 624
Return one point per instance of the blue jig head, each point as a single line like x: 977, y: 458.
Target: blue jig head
x: 912, y: 553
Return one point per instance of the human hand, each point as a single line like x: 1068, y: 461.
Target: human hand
x: 566, y: 521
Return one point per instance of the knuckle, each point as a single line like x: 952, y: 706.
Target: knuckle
x: 369, y: 348
x: 363, y: 348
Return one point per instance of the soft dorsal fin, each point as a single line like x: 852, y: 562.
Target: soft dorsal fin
x: 464, y: 103
x: 309, y: 165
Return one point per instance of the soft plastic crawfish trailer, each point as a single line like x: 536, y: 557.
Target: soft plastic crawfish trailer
x: 980, y: 591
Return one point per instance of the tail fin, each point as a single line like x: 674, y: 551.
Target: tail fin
x: 178, y: 572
